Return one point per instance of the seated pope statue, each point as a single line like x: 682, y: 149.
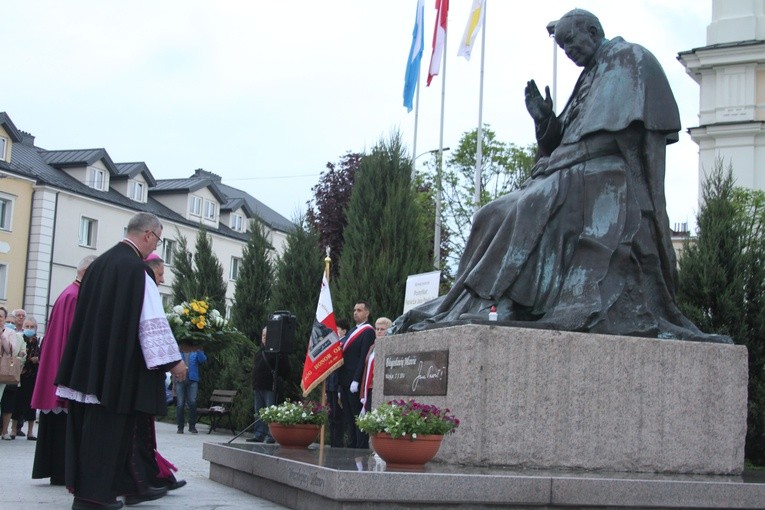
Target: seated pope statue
x: 584, y: 244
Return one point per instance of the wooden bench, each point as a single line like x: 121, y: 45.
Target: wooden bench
x: 219, y: 407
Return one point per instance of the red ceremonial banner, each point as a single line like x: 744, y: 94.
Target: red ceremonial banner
x: 325, y: 354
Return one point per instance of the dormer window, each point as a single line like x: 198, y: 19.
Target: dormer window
x: 3, y: 148
x: 210, y: 210
x: 195, y: 205
x: 136, y: 191
x: 237, y: 222
x: 96, y: 179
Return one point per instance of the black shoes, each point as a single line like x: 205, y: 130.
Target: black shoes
x: 192, y: 430
x: 150, y: 495
x: 176, y: 485
x: 254, y: 440
x: 84, y: 504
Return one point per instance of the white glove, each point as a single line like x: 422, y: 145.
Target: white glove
x: 354, y: 387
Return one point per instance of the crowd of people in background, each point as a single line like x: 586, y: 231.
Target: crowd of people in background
x: 57, y: 377
x: 19, y: 338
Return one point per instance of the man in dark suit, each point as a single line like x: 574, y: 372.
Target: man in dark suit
x: 355, y: 349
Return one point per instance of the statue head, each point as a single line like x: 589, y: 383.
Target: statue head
x: 580, y: 34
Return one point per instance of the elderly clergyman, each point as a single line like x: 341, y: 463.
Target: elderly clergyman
x: 113, y: 372
x: 584, y: 244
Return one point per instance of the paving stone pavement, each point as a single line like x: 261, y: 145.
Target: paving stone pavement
x: 18, y: 491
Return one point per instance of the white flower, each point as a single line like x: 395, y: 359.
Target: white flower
x: 178, y: 309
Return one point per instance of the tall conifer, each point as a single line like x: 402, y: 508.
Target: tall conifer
x: 297, y: 287
x: 253, y: 284
x: 185, y: 279
x: 722, y: 283
x: 384, y: 241
x: 209, y: 272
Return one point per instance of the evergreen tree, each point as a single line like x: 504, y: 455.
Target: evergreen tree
x: 298, y: 283
x: 209, y: 273
x: 384, y: 240
x: 253, y: 284
x: 722, y: 283
x: 711, y: 287
x: 184, y: 281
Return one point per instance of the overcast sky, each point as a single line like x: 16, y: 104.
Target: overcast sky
x: 266, y: 93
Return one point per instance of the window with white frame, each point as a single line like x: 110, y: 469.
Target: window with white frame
x: 195, y: 205
x: 88, y: 232
x: 3, y: 147
x: 168, y: 251
x: 236, y: 262
x: 210, y: 209
x: 167, y: 301
x: 3, y: 281
x: 136, y: 191
x: 97, y: 179
x: 237, y: 222
x: 6, y: 212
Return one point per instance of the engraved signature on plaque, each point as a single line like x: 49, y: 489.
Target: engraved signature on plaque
x: 416, y: 373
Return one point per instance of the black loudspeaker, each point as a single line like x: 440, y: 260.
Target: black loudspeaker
x: 280, y: 333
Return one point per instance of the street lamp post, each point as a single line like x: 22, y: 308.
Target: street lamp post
x: 437, y: 227
x: 551, y: 33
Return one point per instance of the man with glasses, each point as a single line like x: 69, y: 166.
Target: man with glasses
x: 113, y: 371
x: 159, y: 239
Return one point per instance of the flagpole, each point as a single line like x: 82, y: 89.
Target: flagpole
x: 327, y: 262
x: 479, y: 133
x: 416, y: 122
x: 439, y: 191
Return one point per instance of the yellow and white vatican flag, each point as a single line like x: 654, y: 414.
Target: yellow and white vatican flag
x: 474, y: 24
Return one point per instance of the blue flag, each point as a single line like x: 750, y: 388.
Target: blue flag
x: 415, y: 56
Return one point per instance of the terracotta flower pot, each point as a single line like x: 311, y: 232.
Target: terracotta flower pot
x: 405, y: 452
x: 294, y: 436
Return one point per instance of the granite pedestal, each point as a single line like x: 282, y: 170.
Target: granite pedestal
x: 551, y: 399
x: 548, y: 420
x: 335, y: 479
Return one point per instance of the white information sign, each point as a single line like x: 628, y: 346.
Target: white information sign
x: 421, y: 288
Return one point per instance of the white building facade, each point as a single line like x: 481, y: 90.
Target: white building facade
x: 81, y: 202
x: 730, y: 71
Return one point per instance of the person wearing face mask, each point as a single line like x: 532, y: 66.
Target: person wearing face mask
x: 13, y: 343
x: 7, y: 339
x: 10, y: 322
x: 23, y: 412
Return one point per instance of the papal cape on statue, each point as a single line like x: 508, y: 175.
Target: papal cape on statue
x: 584, y: 244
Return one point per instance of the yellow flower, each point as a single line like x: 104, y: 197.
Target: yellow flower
x: 185, y: 311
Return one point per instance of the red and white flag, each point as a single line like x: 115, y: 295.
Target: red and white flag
x: 439, y: 39
x: 325, y: 354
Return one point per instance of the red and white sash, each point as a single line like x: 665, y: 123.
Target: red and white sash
x: 355, y: 334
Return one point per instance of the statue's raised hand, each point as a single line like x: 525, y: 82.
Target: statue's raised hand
x: 539, y: 108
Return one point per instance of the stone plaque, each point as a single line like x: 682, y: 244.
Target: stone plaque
x: 416, y: 373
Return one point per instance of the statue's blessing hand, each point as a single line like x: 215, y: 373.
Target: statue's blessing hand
x: 539, y: 108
